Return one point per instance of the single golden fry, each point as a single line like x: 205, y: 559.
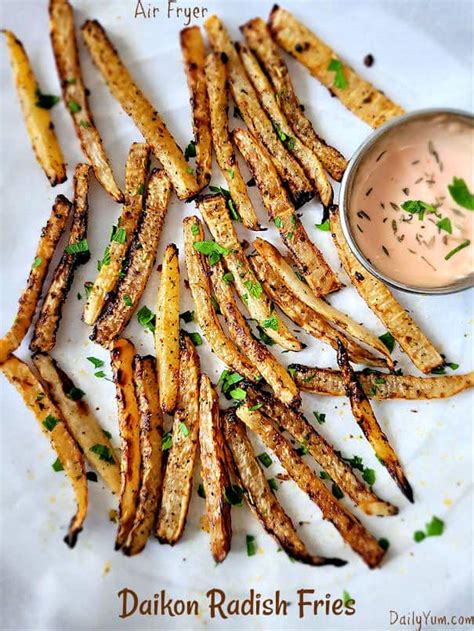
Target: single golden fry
x: 28, y: 302
x: 358, y: 95
x: 135, y: 177
x: 260, y: 41
x: 178, y: 480
x: 80, y: 420
x: 310, y: 260
x: 135, y: 104
x: 383, y: 303
x: 52, y: 424
x: 151, y: 430
x: 49, y: 317
x: 193, y: 51
x: 63, y: 40
x: 37, y: 119
x: 122, y: 353
x: 214, y: 473
x: 216, y: 80
x: 167, y: 330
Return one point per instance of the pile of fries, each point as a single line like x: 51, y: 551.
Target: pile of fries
x: 290, y: 164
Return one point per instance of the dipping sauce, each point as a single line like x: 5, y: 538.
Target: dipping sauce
x: 411, y: 208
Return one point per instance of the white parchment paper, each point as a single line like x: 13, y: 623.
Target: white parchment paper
x: 422, y: 56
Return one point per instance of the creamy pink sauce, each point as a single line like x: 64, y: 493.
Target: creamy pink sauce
x: 416, y: 162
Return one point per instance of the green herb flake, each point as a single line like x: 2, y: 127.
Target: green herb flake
x: 435, y: 528
x: 105, y: 259
x: 187, y: 316
x: 418, y: 207
x: 57, y: 465
x: 120, y: 236
x: 263, y: 336
x: 194, y: 229
x: 384, y: 543
x: 228, y: 278
x: 37, y: 262
x: 271, y: 323
x: 452, y: 365
x: 233, y: 495
x: 278, y: 222
x: 273, y: 484
x: 369, y: 476
x: 75, y: 394
x: 146, y: 318
x: 255, y: 407
x: 265, y: 459
x: 141, y: 189
x: 251, y: 547
x: 40, y: 396
x: 127, y: 301
x: 238, y: 394
x: 196, y: 338
x: 457, y: 249
x: 189, y: 170
x: 231, y: 173
x: 84, y: 124
x: 254, y: 288
x: 190, y: 151
x: 183, y: 429
x: 46, y: 101
x: 340, y: 80
x: 320, y: 418
x: 419, y: 535
x: 324, y: 227
x: 77, y: 248
x: 166, y: 441
x: 50, y: 422
x: 97, y: 363
x: 346, y: 598
x: 74, y: 107
x: 445, y: 224
x: 389, y: 341
x: 107, y: 434
x: 336, y: 491
x: 461, y: 194
x: 212, y: 250
x: 103, y: 452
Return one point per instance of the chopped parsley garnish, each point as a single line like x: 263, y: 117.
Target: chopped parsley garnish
x: 457, y: 249
x: 369, y: 476
x: 233, y: 495
x: 273, y: 484
x: 201, y: 491
x: 452, y: 365
x: 74, y: 107
x: 183, y: 429
x: 212, y: 250
x: 141, y: 189
x: 189, y: 170
x: 187, y: 316
x: 271, y: 323
x: 75, y: 394
x: 166, y: 441
x: 215, y: 305
x: 196, y: 338
x: 445, y: 224
x: 265, y: 459
x: 238, y: 394
x: 255, y: 407
x: 346, y: 598
x: 231, y: 173
x: 418, y: 207
x: 146, y: 318
x: 251, y: 547
x: 266, y: 339
x: 40, y: 396
x: 324, y: 227
x: 84, y: 124
x: 302, y: 449
x: 340, y: 80
x: 194, y: 229
x: 190, y: 151
x: 37, y: 262
x: 461, y: 194
x: 105, y: 259
x: 97, y: 363
x: 228, y: 199
x: 321, y: 418
x: 107, y: 434
x: 103, y: 452
x: 290, y: 141
x: 434, y: 528
x: 92, y: 476
x: 127, y: 300
x: 384, y: 543
x: 388, y: 339
x: 50, y: 422
x: 228, y: 379
x: 336, y: 491
x: 254, y: 288
x: 77, y: 248
x: 46, y: 101
x: 228, y: 278
x: 57, y: 465
x: 119, y: 235
x: 278, y: 222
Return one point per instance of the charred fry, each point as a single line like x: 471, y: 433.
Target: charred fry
x: 77, y: 253
x: 28, y: 302
x: 382, y: 302
x: 167, y: 330
x: 122, y: 353
x: 63, y: 39
x: 310, y: 261
x: 151, y: 430
x: 366, y: 420
x: 358, y: 95
x: 214, y: 472
x: 177, y: 483
x: 37, y: 118
x: 141, y: 258
x: 216, y: 79
x: 261, y: 43
x: 52, y: 424
x: 135, y: 104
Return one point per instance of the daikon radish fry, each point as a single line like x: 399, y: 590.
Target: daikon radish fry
x: 80, y: 420
x: 37, y: 118
x: 349, y: 527
x: 255, y: 118
x: 365, y: 417
x: 380, y: 386
x: 358, y: 95
x: 214, y: 212
x: 305, y: 317
x: 261, y: 498
x: 151, y: 430
x: 138, y: 162
x: 200, y: 285
x: 261, y: 43
x: 271, y: 370
x: 49, y: 317
x: 167, y: 330
x: 216, y: 80
x: 63, y: 40
x: 289, y: 279
x: 29, y: 299
x: 122, y: 353
x: 52, y: 424
x: 135, y: 104
x: 307, y: 159
x: 385, y: 306
x: 193, y: 51
x: 178, y: 480
x: 329, y: 460
x: 139, y: 263
x: 311, y: 262
x: 214, y: 471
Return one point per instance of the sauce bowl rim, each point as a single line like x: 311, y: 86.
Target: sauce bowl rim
x: 347, y: 186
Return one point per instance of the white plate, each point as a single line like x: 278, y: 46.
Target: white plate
x: 420, y: 50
